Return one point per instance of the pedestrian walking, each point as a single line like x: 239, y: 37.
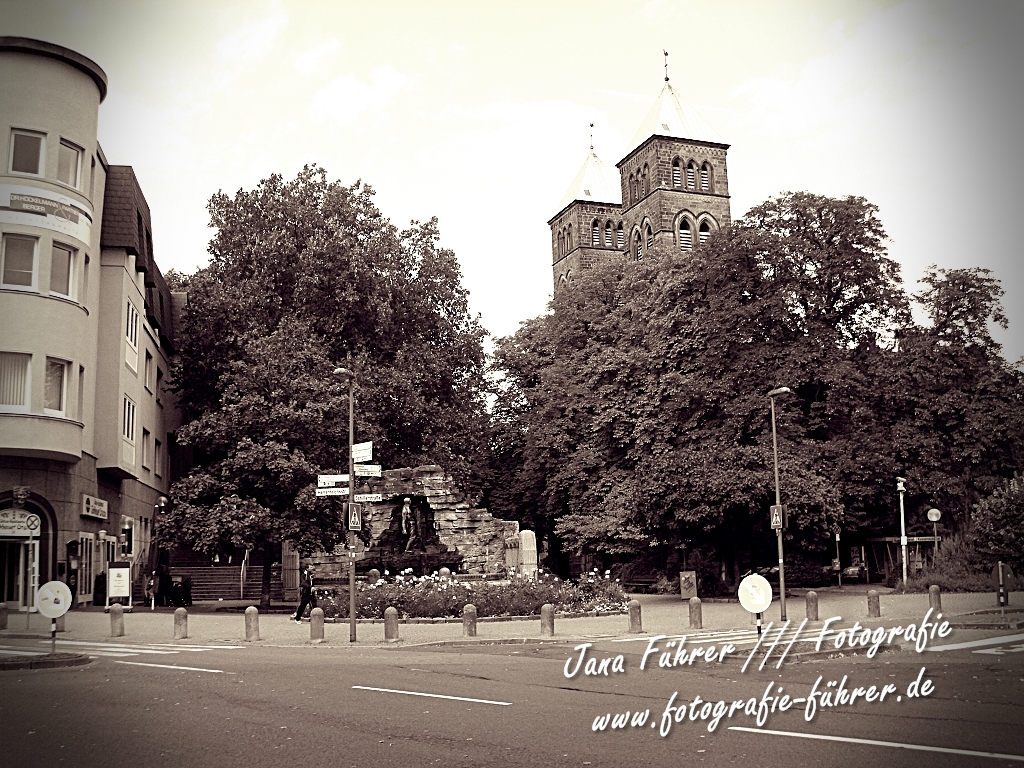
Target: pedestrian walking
x: 305, y: 592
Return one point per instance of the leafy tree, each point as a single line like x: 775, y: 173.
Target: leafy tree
x: 998, y: 524
x: 306, y: 275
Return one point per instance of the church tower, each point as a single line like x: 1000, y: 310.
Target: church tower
x: 672, y: 193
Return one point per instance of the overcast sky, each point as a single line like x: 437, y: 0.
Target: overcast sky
x: 478, y: 113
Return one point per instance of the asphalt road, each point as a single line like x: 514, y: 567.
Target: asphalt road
x: 504, y: 705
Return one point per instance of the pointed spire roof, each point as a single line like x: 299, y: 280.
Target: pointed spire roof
x: 596, y: 182
x: 671, y: 116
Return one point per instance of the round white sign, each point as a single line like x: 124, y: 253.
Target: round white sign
x: 32, y: 523
x: 53, y: 599
x: 934, y: 515
x: 755, y: 593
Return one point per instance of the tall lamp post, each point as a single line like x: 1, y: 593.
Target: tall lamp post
x: 901, y: 486
x: 778, y: 501
x: 345, y: 373
x: 154, y: 551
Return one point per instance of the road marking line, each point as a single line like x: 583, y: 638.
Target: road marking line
x: 874, y: 743
x: 15, y: 652
x: 977, y: 643
x: 169, y: 666
x: 433, y: 695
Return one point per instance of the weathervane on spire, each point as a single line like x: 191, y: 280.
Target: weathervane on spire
x: 591, y: 137
x: 666, y: 63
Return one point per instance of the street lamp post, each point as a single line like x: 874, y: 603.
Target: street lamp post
x: 154, y: 550
x: 778, y: 501
x: 350, y: 536
x: 901, y: 486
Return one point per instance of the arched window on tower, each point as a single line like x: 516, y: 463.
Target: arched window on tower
x: 649, y: 237
x: 561, y: 244
x: 704, y: 231
x: 646, y: 188
x: 638, y: 247
x: 608, y: 235
x: 595, y: 233
x: 691, y: 172
x: 632, y: 188
x: 568, y: 237
x: 620, y: 237
x: 705, y: 178
x: 685, y: 235
x: 677, y: 177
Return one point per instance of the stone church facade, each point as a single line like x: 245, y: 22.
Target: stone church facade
x: 670, y: 191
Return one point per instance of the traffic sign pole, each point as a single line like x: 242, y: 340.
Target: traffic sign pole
x: 351, y: 495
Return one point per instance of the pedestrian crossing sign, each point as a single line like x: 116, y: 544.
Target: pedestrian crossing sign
x: 776, y: 517
x: 355, y: 517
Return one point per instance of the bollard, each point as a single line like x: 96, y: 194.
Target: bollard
x: 812, y: 605
x: 391, y: 625
x: 696, y: 620
x: 252, y: 624
x: 445, y: 573
x: 316, y: 625
x: 935, y: 598
x: 469, y: 620
x: 180, y: 623
x: 547, y: 620
x: 3, y: 615
x: 874, y: 609
x: 372, y: 576
x: 116, y: 620
x: 635, y: 623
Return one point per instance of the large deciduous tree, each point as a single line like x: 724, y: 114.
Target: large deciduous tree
x: 306, y: 275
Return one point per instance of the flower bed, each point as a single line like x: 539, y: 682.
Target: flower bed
x: 437, y: 597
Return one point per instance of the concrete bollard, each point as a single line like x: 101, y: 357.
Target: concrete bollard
x: 874, y: 608
x: 469, y: 620
x: 811, y: 602
x: 935, y: 598
x: 372, y: 576
x: 3, y: 615
x: 696, y: 619
x: 116, y: 620
x: 180, y: 623
x: 252, y: 624
x: 391, y: 625
x: 635, y: 622
x: 547, y: 620
x: 316, y: 625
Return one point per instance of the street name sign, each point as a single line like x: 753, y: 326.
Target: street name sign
x: 755, y: 593
x: 332, y: 491
x: 329, y: 481
x: 362, y: 452
x: 368, y: 470
x: 369, y: 497
x: 53, y: 599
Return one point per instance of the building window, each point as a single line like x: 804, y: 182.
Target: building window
x: 131, y: 334
x: 146, y: 450
x: 691, y: 171
x: 677, y: 179
x: 27, y: 152
x: 650, y: 237
x: 638, y: 247
x: 159, y: 384
x: 92, y: 177
x: 81, y: 393
x: 595, y: 234
x: 69, y: 164
x: 608, y: 235
x: 705, y: 178
x: 158, y: 458
x: 685, y: 235
x: 61, y: 270
x: 128, y: 420
x: 55, y: 390
x: 19, y: 262
x: 14, y: 381
x: 568, y: 237
x: 704, y: 232
x: 147, y: 378
x: 620, y: 237
x: 646, y: 188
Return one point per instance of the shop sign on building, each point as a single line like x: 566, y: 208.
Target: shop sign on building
x: 93, y: 507
x: 19, y: 523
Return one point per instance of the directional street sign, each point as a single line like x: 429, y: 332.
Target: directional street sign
x: 362, y: 452
x: 329, y: 481
x: 367, y: 470
x: 369, y: 497
x: 776, y: 517
x: 53, y: 599
x: 332, y: 492
x: 755, y: 593
x: 355, y: 517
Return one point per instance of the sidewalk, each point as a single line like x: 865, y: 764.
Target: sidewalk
x: 661, y: 614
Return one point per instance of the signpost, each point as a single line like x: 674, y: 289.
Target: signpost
x: 838, y: 563
x: 355, y: 517
x: 776, y: 517
x: 329, y: 481
x: 362, y: 452
x: 755, y: 595
x: 320, y: 492
x: 368, y: 470
x: 53, y: 600
x: 119, y: 584
x: 368, y: 497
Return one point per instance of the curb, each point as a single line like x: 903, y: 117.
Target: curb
x: 48, y: 661
x: 843, y: 652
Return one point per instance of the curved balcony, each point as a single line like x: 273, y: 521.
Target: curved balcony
x: 41, y: 437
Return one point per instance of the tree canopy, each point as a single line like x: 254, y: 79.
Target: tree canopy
x: 634, y: 414
x: 306, y: 275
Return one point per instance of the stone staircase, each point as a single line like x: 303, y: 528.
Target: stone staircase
x: 222, y: 582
